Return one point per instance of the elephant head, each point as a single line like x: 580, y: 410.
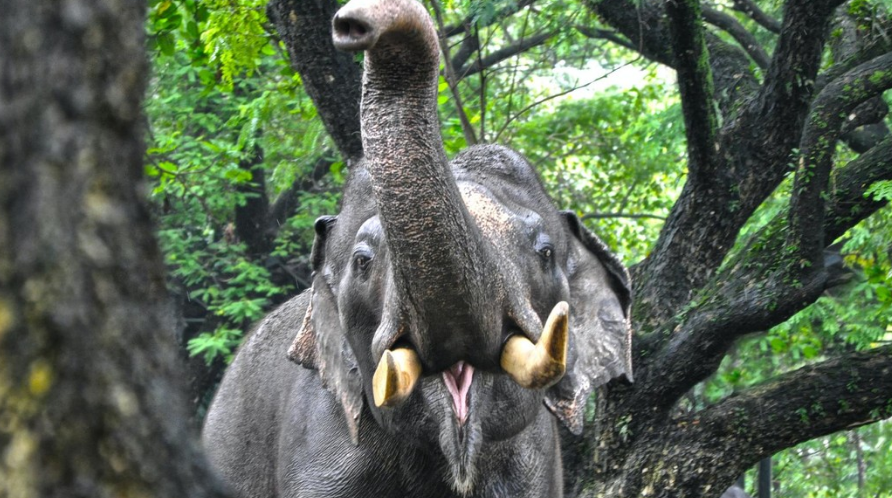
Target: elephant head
x: 451, y: 300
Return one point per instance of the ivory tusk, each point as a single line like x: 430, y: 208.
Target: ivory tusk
x: 540, y: 365
x: 395, y: 377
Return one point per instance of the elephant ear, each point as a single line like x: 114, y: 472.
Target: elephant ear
x: 321, y: 342
x: 601, y: 338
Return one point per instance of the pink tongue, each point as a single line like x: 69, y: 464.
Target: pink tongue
x: 458, y: 380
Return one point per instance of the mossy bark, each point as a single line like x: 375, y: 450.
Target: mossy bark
x: 90, y: 397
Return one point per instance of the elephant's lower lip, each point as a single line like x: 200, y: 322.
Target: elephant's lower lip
x: 458, y: 380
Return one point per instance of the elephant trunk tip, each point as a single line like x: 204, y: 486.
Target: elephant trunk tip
x: 361, y: 24
x: 351, y: 32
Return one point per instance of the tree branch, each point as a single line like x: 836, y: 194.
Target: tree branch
x: 695, y: 84
x: 750, y: 8
x: 498, y: 56
x: 829, y: 111
x: 251, y: 217
x: 603, y: 34
x: 452, y: 81
x: 469, y: 46
x: 848, y: 204
x: 756, y: 141
x: 759, y: 288
x: 842, y: 393
x: 600, y: 216
x: 331, y: 78
x: 789, y: 83
x: 462, y: 27
x: 286, y: 203
x: 746, y: 39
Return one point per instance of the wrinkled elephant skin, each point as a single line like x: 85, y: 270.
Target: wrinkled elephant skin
x: 456, y: 316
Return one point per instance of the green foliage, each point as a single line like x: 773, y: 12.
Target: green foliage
x: 223, y: 103
x: 616, y: 155
x: 881, y: 191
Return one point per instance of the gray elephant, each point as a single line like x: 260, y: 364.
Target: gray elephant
x: 455, y: 315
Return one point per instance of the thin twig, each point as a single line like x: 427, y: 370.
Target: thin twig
x: 482, y: 87
x: 466, y: 127
x: 561, y: 94
x: 601, y: 216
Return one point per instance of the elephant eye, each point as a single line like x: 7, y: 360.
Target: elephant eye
x: 361, y: 260
x: 546, y: 252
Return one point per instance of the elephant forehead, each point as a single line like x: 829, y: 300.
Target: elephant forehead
x: 492, y: 216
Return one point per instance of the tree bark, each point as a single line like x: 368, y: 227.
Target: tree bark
x: 90, y: 399
x: 331, y: 78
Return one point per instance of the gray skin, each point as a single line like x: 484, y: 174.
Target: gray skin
x: 448, y: 259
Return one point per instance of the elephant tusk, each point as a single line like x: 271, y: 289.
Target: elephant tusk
x: 395, y: 377
x: 540, y: 365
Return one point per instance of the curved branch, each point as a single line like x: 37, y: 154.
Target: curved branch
x: 848, y: 204
x: 462, y: 27
x: 695, y: 84
x: 829, y: 112
x: 841, y: 393
x: 603, y: 34
x: 600, y: 216
x: 500, y: 55
x: 746, y: 39
x: 761, y: 287
x: 750, y: 8
x: 789, y: 83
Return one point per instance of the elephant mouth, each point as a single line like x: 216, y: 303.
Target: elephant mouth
x: 532, y: 365
x: 458, y: 379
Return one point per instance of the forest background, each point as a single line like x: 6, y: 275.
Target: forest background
x: 241, y: 163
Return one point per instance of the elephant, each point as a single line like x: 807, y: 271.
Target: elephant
x: 456, y: 316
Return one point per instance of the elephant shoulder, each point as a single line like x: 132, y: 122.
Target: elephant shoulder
x: 242, y: 423
x: 278, y: 327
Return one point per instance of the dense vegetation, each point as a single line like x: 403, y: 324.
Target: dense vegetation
x: 768, y: 156
x: 241, y: 163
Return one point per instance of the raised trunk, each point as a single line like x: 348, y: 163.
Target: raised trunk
x: 432, y: 238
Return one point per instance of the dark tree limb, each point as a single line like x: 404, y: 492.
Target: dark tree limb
x: 251, y: 217
x: 762, y: 287
x: 698, y: 454
x: 837, y: 394
x: 504, y: 53
x: 331, y: 78
x: 286, y: 204
x: 604, y: 34
x: 866, y: 137
x: 645, y: 27
x: 746, y: 39
x: 642, y: 23
x: 847, y: 205
x: 822, y: 130
x: 695, y: 85
x: 469, y: 46
x: 750, y: 8
x: 452, y: 81
x: 462, y: 27
x: 754, y: 149
x: 869, y: 112
x: 790, y: 79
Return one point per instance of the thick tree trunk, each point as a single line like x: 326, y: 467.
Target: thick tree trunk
x: 90, y: 398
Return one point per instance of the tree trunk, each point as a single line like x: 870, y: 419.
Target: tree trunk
x: 90, y: 398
